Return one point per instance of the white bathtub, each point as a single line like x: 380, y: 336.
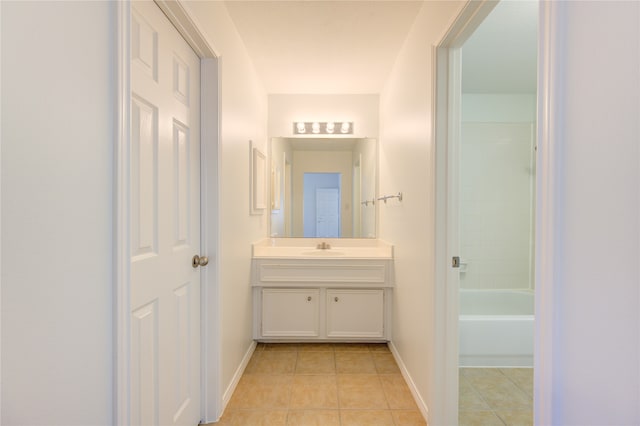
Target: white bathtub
x: 496, y: 328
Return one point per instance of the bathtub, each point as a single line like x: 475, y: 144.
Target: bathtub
x: 496, y: 328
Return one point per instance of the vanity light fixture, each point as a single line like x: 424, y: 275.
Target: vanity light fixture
x: 322, y: 127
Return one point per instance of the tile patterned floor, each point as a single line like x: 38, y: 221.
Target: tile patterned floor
x: 495, y: 396
x: 322, y: 384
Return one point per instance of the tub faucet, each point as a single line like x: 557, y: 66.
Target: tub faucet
x: 323, y: 246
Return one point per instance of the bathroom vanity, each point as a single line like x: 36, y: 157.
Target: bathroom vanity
x: 316, y: 289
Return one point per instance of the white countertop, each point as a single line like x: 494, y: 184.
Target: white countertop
x: 305, y: 248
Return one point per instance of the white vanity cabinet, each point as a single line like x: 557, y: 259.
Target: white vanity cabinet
x: 290, y: 312
x: 355, y: 313
x: 324, y: 299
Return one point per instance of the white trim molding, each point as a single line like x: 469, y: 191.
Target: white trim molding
x: 549, y: 187
x: 187, y: 26
x: 122, y: 167
x: 422, y: 406
x: 228, y: 393
x: 446, y: 127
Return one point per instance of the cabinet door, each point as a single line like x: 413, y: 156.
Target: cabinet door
x: 355, y: 313
x: 290, y: 312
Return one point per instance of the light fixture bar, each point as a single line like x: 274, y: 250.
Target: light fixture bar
x: 323, y: 128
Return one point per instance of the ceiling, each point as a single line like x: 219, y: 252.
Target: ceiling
x: 323, y: 47
x: 349, y: 47
x: 501, y: 55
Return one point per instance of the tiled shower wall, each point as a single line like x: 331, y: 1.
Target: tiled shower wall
x: 497, y: 177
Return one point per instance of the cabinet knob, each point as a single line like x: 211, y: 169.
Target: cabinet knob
x: 308, y: 298
x: 336, y: 298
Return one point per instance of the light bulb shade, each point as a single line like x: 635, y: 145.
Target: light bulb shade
x: 346, y: 126
x: 315, y: 127
x: 301, y: 127
x: 330, y: 127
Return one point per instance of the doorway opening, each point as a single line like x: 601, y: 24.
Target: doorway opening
x: 486, y: 121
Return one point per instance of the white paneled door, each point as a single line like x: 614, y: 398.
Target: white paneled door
x: 328, y: 212
x: 165, y: 222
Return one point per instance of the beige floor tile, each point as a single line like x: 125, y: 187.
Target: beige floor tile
x: 385, y: 363
x: 316, y: 363
x: 272, y: 362
x: 470, y: 400
x: 314, y: 418
x: 397, y: 392
x: 408, y: 418
x: 526, y: 386
x: 516, y: 418
x: 257, y: 391
x: 315, y: 347
x: 351, y: 347
x: 258, y: 418
x: 480, y: 375
x: 314, y: 392
x: 281, y: 347
x: 360, y: 391
x: 355, y: 363
x: 252, y: 361
x: 522, y: 377
x: 379, y: 347
x: 366, y: 418
x: 503, y: 396
x: 463, y: 384
x: 478, y: 418
x: 517, y: 373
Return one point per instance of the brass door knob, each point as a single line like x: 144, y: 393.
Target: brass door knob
x: 199, y: 261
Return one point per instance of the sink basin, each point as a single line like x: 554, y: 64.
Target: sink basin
x: 319, y: 252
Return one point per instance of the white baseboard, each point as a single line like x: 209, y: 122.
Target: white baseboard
x: 226, y: 397
x: 422, y: 406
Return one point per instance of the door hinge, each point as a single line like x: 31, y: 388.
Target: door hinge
x: 455, y: 262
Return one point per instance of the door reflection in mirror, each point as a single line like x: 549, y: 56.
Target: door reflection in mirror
x: 321, y: 204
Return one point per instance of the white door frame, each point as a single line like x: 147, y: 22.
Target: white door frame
x: 548, y: 193
x: 211, y: 403
x: 447, y: 106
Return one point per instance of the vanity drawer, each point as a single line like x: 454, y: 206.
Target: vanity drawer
x: 369, y: 273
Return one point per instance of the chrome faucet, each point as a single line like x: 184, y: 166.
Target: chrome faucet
x: 323, y: 246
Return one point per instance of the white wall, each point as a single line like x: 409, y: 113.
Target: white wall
x: 361, y: 109
x: 407, y: 162
x: 58, y: 104
x: 591, y: 345
x: 243, y: 118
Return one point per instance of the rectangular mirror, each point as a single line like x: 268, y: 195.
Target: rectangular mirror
x: 323, y: 187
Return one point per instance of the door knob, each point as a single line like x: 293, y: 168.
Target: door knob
x: 199, y: 261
